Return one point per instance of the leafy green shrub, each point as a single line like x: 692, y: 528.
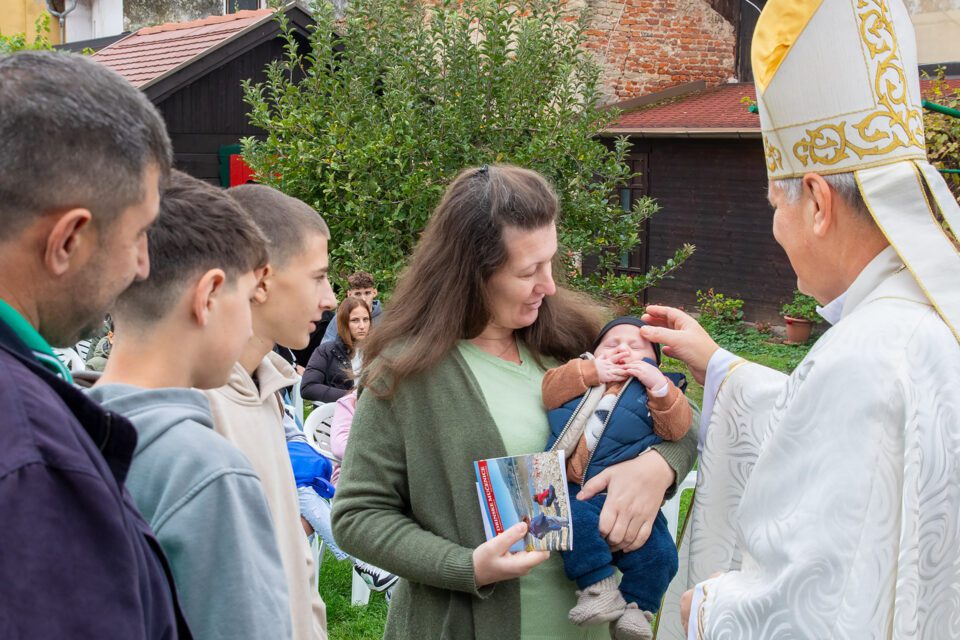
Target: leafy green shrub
x: 722, y: 317
x: 19, y: 41
x: 624, y: 290
x: 943, y: 131
x: 392, y: 101
x: 802, y: 307
x: 716, y: 307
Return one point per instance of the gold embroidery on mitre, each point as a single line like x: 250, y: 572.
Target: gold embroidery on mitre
x: 897, y: 124
x: 773, y: 155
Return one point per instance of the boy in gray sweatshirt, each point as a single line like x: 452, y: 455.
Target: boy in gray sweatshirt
x: 185, y: 326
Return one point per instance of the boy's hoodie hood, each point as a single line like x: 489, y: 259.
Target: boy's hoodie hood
x: 154, y: 411
x: 272, y: 374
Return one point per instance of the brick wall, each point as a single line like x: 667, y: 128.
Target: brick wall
x: 648, y: 45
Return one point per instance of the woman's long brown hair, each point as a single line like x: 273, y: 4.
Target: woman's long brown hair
x: 442, y: 296
x: 343, y: 320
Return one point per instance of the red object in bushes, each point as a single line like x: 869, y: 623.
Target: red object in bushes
x: 240, y: 172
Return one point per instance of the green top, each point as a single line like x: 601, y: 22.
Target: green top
x: 42, y: 351
x: 407, y: 500
x: 512, y: 394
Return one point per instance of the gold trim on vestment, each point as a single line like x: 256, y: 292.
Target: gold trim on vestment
x: 954, y: 330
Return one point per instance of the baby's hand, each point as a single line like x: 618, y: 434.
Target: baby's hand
x: 648, y: 375
x: 607, y: 371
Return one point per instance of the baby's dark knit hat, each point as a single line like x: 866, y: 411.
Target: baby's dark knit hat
x: 637, y: 322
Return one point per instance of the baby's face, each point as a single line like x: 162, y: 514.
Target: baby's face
x: 624, y: 344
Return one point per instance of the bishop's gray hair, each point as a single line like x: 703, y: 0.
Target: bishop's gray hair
x: 843, y: 184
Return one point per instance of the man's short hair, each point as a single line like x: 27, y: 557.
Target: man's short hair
x: 286, y: 221
x: 199, y: 228
x: 360, y: 280
x: 72, y: 134
x: 845, y: 184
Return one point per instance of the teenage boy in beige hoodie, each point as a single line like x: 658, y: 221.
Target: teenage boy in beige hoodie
x: 292, y: 294
x: 200, y: 495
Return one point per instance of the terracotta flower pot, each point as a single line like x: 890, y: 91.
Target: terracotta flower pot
x: 798, y: 330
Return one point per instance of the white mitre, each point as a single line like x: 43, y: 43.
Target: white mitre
x: 838, y: 91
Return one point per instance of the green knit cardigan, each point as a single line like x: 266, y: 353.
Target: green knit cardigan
x: 407, y: 502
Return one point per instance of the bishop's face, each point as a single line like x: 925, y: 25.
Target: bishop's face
x: 793, y: 230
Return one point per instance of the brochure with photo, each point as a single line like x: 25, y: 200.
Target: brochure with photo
x: 531, y: 488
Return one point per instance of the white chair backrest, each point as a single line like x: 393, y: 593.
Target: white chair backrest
x: 317, y: 428
x: 297, y: 400
x: 671, y: 509
x: 70, y: 359
x: 83, y: 348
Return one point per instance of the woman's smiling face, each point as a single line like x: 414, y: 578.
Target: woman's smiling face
x: 519, y: 286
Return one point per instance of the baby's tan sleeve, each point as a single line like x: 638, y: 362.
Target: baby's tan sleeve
x: 566, y: 382
x: 671, y: 414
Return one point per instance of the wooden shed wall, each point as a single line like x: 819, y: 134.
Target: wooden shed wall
x: 713, y: 193
x: 210, y: 112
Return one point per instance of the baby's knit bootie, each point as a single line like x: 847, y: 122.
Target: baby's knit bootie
x: 600, y: 602
x: 634, y: 624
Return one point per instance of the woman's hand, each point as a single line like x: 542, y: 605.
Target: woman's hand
x: 493, y: 562
x: 607, y: 371
x: 635, y: 491
x: 681, y: 336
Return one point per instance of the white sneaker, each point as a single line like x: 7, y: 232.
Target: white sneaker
x: 377, y: 579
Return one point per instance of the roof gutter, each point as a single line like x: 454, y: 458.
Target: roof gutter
x: 683, y: 132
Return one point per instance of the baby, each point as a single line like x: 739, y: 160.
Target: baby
x: 606, y: 408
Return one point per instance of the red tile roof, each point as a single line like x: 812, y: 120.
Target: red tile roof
x: 152, y: 52
x: 715, y: 110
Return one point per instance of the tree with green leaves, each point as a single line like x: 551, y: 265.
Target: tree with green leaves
x: 398, y: 96
x: 943, y: 131
x: 20, y: 42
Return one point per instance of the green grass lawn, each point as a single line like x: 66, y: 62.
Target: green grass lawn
x: 346, y: 622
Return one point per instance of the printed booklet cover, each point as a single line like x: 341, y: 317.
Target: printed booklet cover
x: 533, y: 488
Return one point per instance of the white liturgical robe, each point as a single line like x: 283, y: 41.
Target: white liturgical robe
x: 831, y: 497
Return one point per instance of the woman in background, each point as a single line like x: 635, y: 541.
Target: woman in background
x: 333, y: 366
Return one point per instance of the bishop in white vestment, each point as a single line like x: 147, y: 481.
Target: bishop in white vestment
x: 828, y: 501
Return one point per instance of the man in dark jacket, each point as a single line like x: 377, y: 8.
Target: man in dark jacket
x: 82, y: 155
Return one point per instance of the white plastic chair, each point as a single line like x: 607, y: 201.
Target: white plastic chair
x: 297, y: 400
x: 359, y: 591
x: 671, y: 510
x: 316, y: 547
x: 83, y: 348
x: 70, y: 359
x: 317, y: 429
